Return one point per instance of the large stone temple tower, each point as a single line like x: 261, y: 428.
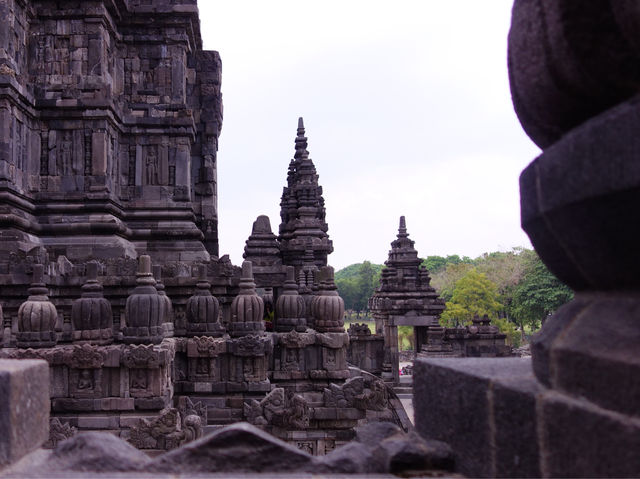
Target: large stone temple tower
x: 109, y: 132
x: 303, y: 231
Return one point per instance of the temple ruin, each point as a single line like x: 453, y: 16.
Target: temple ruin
x: 109, y: 262
x: 122, y: 325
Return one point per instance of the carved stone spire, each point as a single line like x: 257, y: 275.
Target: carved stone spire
x: 302, y: 210
x: 404, y: 283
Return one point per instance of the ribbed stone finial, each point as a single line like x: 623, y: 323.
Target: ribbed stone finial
x: 247, y: 309
x: 167, y: 312
x: 203, y: 309
x: 91, y: 316
x: 144, y: 308
x: 290, y: 306
x: 328, y: 307
x: 247, y: 283
x: 37, y: 316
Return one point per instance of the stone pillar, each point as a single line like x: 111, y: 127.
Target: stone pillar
x: 144, y: 310
x: 91, y: 315
x: 37, y: 316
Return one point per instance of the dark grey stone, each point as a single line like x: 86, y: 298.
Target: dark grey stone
x: 24, y: 415
x: 96, y: 452
x: 468, y: 403
x: 585, y: 441
x: 352, y: 458
x: 575, y: 201
x: 412, y: 454
x: 373, y: 433
x: 237, y: 448
x: 568, y: 62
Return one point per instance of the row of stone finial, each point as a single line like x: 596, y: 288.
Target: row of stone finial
x: 148, y: 310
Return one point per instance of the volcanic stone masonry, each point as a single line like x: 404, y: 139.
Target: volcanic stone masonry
x: 110, y: 113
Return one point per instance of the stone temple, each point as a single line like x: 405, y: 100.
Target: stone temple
x: 130, y: 347
x: 110, y: 114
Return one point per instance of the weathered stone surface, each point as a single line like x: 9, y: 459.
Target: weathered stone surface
x: 491, y: 426
x: 24, y: 415
x: 96, y: 452
x: 203, y: 309
x: 585, y: 441
x: 328, y: 306
x: 247, y: 309
x: 290, y: 307
x: 575, y: 198
x: 405, y: 296
x: 37, y: 316
x: 303, y: 229
x: 91, y: 314
x: 352, y: 458
x: 145, y: 309
x: 570, y: 62
x: 237, y: 448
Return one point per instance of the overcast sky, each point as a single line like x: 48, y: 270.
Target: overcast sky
x: 407, y: 110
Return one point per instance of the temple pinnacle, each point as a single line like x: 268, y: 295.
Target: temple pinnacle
x: 402, y: 229
x: 301, y: 141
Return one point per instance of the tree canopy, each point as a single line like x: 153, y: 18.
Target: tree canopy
x: 514, y: 287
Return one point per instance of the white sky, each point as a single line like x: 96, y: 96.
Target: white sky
x: 407, y: 110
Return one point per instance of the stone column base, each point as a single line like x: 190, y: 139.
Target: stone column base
x: 501, y: 422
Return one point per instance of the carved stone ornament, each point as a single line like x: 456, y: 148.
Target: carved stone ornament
x: 37, y: 316
x: 203, y: 309
x: 164, y: 432
x: 249, y: 346
x: 279, y: 409
x: 294, y: 339
x: 144, y: 310
x: 91, y: 315
x: 167, y: 320
x: 85, y: 356
x: 143, y: 356
x: 328, y: 306
x: 58, y: 432
x: 290, y: 307
x: 247, y: 309
x: 368, y: 393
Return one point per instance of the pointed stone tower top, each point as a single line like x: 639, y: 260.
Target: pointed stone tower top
x: 402, y: 229
x: 301, y: 142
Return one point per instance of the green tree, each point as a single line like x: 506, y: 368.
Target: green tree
x: 538, y: 294
x: 445, y: 280
x: 473, y: 294
x: 356, y: 284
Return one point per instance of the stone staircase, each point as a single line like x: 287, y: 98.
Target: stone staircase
x: 405, y: 389
x: 405, y: 394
